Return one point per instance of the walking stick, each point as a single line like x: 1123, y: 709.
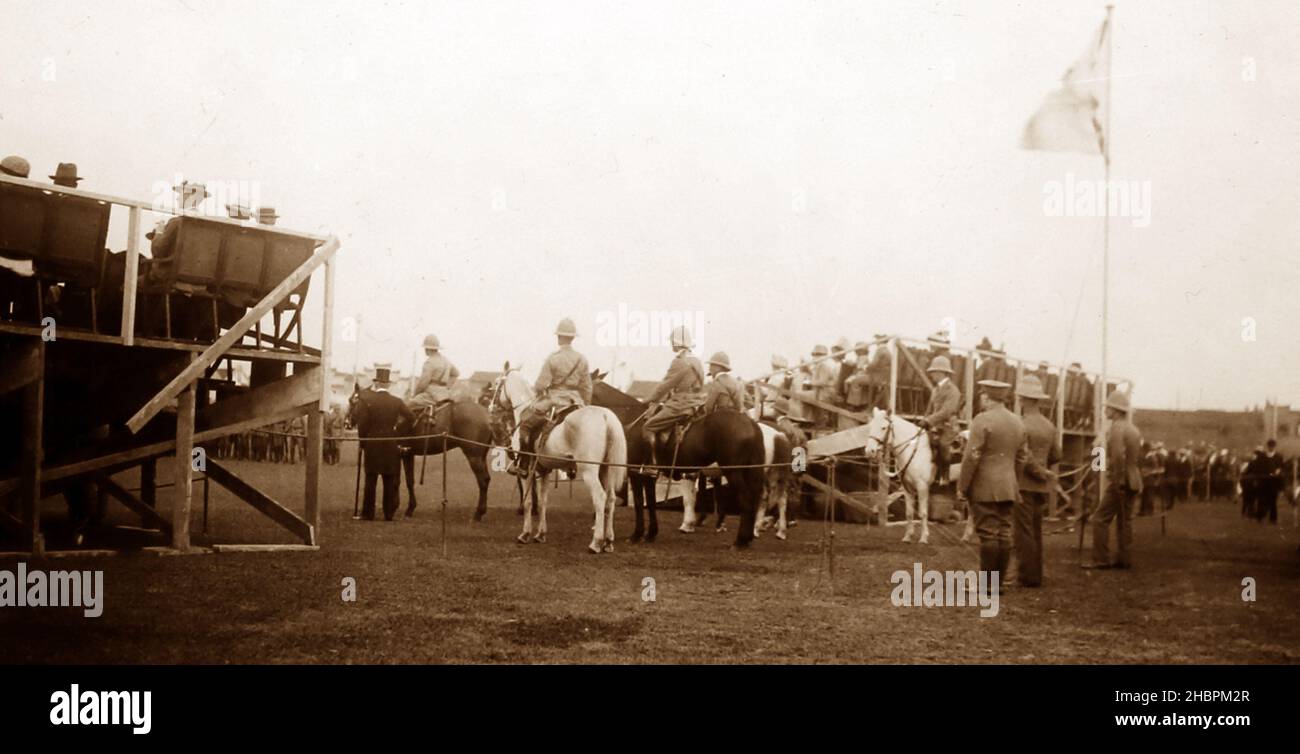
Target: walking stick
x: 356, y: 494
x: 830, y: 541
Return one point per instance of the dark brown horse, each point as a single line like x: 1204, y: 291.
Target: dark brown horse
x: 468, y: 430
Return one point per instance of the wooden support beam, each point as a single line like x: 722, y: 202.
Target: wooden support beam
x: 842, y: 497
x: 860, y: 418
x: 32, y: 457
x: 264, y: 505
x: 148, y: 515
x: 130, y: 281
x: 315, y: 450
x: 231, y: 336
x: 22, y: 366
x: 183, y: 491
x: 893, y: 375
x: 911, y: 359
x: 301, y: 389
x: 969, y: 397
x: 327, y: 333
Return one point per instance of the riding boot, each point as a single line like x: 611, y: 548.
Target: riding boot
x: 649, y: 438
x: 519, y: 465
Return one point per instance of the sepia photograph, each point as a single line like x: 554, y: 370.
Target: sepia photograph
x: 948, y: 333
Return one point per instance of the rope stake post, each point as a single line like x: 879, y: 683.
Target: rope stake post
x: 830, y: 541
x: 356, y: 493
x: 444, y: 495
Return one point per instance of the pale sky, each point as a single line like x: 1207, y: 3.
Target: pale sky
x: 795, y: 171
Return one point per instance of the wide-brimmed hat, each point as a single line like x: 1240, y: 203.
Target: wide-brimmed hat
x: 15, y: 166
x: 1031, y: 387
x: 841, y: 345
x: 266, y: 215
x: 779, y: 361
x: 1118, y: 400
x: 66, y: 171
x: 861, y: 347
x: 941, y: 364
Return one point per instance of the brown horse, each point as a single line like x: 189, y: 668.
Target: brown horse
x: 469, y: 431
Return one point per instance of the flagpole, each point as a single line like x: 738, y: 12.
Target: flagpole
x: 1105, y: 256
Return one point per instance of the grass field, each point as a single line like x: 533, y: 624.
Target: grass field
x: 492, y: 600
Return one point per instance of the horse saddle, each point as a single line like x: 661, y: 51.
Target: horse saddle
x: 554, y: 418
x: 435, y: 420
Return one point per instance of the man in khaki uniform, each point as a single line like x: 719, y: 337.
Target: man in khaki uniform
x: 565, y: 380
x: 774, y: 403
x: 1123, y: 484
x: 437, y: 377
x: 1044, y: 453
x: 941, y: 415
x: 681, y: 391
x: 997, y: 450
x: 723, y: 391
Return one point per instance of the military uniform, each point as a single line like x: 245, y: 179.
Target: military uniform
x: 437, y: 377
x: 1035, y: 487
x: 724, y: 392
x: 1123, y: 483
x: 941, y: 415
x: 378, y: 415
x: 997, y: 450
x: 681, y: 391
x: 565, y: 380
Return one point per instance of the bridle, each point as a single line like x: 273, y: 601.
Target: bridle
x: 891, y: 450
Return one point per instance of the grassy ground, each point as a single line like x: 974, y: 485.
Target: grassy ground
x: 491, y: 600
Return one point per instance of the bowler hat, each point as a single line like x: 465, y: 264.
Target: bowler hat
x: 15, y: 166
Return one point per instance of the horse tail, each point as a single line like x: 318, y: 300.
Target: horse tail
x: 615, y: 470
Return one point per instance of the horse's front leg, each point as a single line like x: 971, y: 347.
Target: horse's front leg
x: 637, y: 495
x: 408, y: 466
x: 478, y: 464
x: 540, y: 535
x: 923, y: 506
x: 527, y: 502
x: 688, y: 507
x: 648, y: 490
x: 909, y: 505
x: 782, y: 493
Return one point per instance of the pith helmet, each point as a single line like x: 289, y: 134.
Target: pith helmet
x: 1031, y: 387
x: 566, y: 328
x: 779, y: 361
x: 15, y: 166
x: 720, y: 359
x: 941, y: 364
x: 431, y: 342
x: 1118, y: 400
x: 841, y: 345
x: 681, y: 337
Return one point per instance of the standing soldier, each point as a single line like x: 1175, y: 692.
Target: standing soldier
x: 680, y: 391
x: 824, y: 373
x: 941, y: 415
x: 436, y: 377
x: 1044, y: 452
x: 565, y: 380
x: 1123, y: 483
x: 997, y: 450
x: 378, y: 414
x: 724, y: 390
x: 774, y: 403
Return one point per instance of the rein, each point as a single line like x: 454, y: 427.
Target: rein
x: 892, y: 450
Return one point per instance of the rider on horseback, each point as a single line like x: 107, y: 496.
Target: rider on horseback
x: 436, y: 378
x: 941, y: 415
x: 681, y: 391
x: 565, y: 380
x: 723, y: 390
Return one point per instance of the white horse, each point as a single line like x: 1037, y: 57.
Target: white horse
x: 591, y: 438
x: 902, y: 444
x: 776, y: 480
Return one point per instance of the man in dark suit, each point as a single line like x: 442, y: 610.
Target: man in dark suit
x: 998, y: 449
x: 377, y: 418
x: 1045, y: 452
x: 1123, y: 484
x: 1269, y: 483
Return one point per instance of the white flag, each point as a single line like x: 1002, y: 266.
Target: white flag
x: 1073, y: 118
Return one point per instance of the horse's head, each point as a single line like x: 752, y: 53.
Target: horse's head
x: 354, y: 401
x: 878, y: 430
x: 510, y: 393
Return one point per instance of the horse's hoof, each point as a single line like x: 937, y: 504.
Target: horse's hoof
x: 594, y: 548
x: 780, y: 535
x: 650, y: 538
x: 634, y: 538
x: 925, y: 539
x: 686, y: 529
x: 720, y: 529
x: 907, y: 538
x: 524, y: 538
x: 540, y: 539
x: 609, y: 546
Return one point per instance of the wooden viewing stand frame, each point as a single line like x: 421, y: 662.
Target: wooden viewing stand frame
x: 305, y: 392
